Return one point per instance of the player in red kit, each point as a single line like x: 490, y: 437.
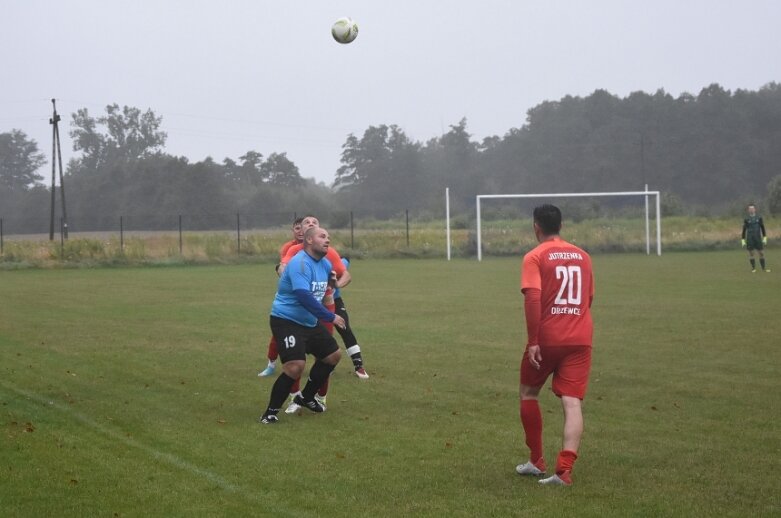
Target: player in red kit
x: 558, y: 287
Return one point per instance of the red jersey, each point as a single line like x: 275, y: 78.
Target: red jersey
x: 332, y: 256
x: 562, y: 272
x: 283, y: 250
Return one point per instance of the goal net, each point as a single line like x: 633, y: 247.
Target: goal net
x: 646, y: 194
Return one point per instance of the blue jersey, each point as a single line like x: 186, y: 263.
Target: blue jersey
x: 338, y: 291
x: 303, y: 272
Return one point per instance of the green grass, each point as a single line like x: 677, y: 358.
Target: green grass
x: 133, y: 392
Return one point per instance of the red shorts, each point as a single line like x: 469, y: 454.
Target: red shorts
x: 570, y: 365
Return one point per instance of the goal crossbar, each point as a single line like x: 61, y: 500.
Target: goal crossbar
x: 645, y: 193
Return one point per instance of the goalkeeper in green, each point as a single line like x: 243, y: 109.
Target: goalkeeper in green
x: 754, y: 237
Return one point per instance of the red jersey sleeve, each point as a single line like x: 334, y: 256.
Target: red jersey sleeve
x: 336, y: 261
x: 283, y: 250
x: 293, y: 250
x: 530, y: 272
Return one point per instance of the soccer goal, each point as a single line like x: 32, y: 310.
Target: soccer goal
x: 646, y: 193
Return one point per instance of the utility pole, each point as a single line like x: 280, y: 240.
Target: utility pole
x: 58, y: 150
x: 642, y: 156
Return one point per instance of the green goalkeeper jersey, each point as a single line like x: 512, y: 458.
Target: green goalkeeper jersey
x: 753, y: 228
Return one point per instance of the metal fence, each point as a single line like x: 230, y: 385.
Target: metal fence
x: 241, y: 224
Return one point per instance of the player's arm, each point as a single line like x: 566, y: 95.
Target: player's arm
x: 532, y: 306
x: 745, y: 227
x: 531, y: 287
x: 343, y: 277
x: 591, y: 294
x: 344, y: 280
x: 306, y: 299
x: 762, y: 227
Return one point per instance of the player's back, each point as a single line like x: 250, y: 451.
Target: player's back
x: 563, y: 273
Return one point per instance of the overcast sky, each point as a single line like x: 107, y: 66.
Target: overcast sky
x: 265, y: 75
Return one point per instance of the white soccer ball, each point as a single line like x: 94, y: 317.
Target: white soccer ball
x: 344, y: 30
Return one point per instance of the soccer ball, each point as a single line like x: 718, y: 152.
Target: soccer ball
x: 344, y: 30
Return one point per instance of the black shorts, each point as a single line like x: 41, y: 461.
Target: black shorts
x: 754, y: 243
x: 295, y: 341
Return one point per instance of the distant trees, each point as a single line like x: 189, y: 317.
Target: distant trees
x: 20, y: 194
x: 380, y: 172
x: 702, y: 151
x: 774, y: 196
x: 19, y: 161
x: 129, y: 134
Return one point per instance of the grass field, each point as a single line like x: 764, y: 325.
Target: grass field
x: 129, y: 392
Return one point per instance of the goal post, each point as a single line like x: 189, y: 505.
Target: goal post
x: 646, y: 193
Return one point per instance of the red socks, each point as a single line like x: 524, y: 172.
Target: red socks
x: 531, y: 418
x: 564, y: 464
x: 272, y: 349
x: 323, y: 390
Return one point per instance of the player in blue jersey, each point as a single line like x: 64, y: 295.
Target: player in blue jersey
x: 296, y: 322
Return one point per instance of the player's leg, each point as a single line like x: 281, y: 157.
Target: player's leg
x: 350, y: 341
x: 295, y: 390
x: 293, y: 361
x: 323, y: 347
x: 531, y: 420
x: 573, y: 430
x: 762, y: 264
x: 570, y: 382
x: 751, y: 259
x: 532, y: 381
x: 322, y: 392
x: 272, y: 355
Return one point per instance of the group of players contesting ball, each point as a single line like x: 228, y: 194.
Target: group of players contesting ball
x: 558, y: 287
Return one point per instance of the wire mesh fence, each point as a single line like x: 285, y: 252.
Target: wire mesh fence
x: 174, y: 232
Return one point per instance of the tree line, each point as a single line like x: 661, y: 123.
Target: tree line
x: 710, y: 152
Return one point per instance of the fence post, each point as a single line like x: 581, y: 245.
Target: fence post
x: 406, y: 214
x: 121, y: 236
x: 180, y: 234
x: 238, y: 234
x: 352, y: 232
x: 1, y: 236
x: 62, y: 239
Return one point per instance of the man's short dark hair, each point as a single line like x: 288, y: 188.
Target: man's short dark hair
x: 298, y: 221
x: 548, y: 217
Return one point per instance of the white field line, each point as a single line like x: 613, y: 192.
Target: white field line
x: 165, y: 457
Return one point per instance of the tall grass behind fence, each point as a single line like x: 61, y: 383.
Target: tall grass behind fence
x: 239, y: 241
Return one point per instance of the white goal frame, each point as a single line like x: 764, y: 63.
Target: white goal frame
x: 646, y: 193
